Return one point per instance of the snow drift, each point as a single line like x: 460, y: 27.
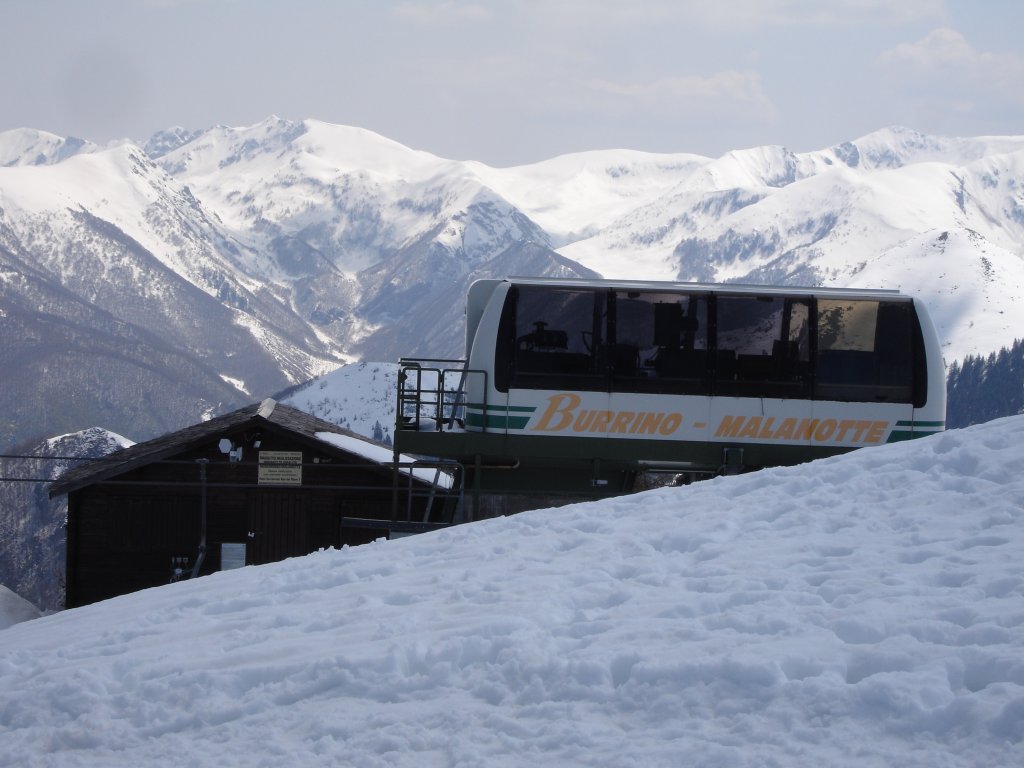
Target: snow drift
x: 864, y: 610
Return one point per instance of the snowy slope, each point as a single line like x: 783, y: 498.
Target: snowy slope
x: 352, y: 196
x: 576, y: 196
x: 26, y: 146
x: 339, y: 189
x: 116, y: 283
x: 365, y: 236
x: 360, y: 397
x: 865, y: 610
x: 975, y: 289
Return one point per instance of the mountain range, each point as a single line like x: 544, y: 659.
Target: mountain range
x: 144, y: 286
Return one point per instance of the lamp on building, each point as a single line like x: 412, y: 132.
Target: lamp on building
x: 234, y: 452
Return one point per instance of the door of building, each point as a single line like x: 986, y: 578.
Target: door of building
x: 278, y: 526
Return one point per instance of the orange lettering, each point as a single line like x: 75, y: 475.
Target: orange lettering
x: 622, y: 420
x: 825, y: 430
x: 601, y: 421
x: 671, y: 423
x: 560, y: 407
x: 785, y: 432
x: 806, y: 429
x: 751, y: 428
x: 584, y: 421
x: 729, y: 427
x: 650, y: 422
x: 876, y: 431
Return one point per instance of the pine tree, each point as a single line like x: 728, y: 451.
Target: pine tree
x: 980, y: 388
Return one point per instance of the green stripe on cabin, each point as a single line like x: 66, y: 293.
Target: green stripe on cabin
x: 498, y: 416
x: 910, y: 430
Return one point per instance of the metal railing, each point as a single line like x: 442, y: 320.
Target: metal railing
x: 432, y: 393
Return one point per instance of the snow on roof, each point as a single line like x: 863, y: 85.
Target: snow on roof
x: 383, y: 455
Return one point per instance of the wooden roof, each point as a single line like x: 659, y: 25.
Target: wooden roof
x: 267, y: 414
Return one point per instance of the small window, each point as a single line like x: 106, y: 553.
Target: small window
x: 558, y: 334
x: 232, y: 555
x: 763, y: 346
x: 659, y: 343
x: 865, y: 351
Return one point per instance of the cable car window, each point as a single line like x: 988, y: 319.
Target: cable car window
x: 865, y: 351
x: 763, y: 346
x: 660, y: 343
x: 558, y: 335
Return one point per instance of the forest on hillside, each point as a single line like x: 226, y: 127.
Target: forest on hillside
x: 980, y: 388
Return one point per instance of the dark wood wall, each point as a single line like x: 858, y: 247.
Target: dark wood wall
x: 127, y: 532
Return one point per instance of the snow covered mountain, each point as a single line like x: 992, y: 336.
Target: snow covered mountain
x: 863, y: 610
x: 122, y: 304
x: 32, y: 526
x: 373, y: 238
x: 939, y: 218
x: 215, y: 267
x: 934, y: 216
x: 118, y: 281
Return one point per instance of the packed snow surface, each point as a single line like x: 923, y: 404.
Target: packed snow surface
x: 865, y: 610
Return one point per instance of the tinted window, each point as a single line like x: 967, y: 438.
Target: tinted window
x: 865, y: 351
x: 744, y: 346
x: 557, y: 339
x: 660, y: 343
x: 763, y: 346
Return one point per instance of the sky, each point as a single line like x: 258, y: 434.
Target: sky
x: 509, y: 82
x: 865, y: 611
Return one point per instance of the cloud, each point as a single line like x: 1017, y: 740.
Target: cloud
x: 719, y: 14
x: 441, y: 13
x: 815, y: 12
x: 723, y: 93
x: 732, y: 13
x: 177, y: 3
x: 941, y: 47
x: 946, y: 59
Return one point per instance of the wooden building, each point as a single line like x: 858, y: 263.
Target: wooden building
x: 254, y: 486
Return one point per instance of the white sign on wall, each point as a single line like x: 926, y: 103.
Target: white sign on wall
x: 280, y: 467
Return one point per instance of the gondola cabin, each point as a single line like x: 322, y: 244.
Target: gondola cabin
x: 578, y: 385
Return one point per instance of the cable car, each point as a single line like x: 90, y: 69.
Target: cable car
x: 576, y: 386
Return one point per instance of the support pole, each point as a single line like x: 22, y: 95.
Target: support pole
x: 202, y: 506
